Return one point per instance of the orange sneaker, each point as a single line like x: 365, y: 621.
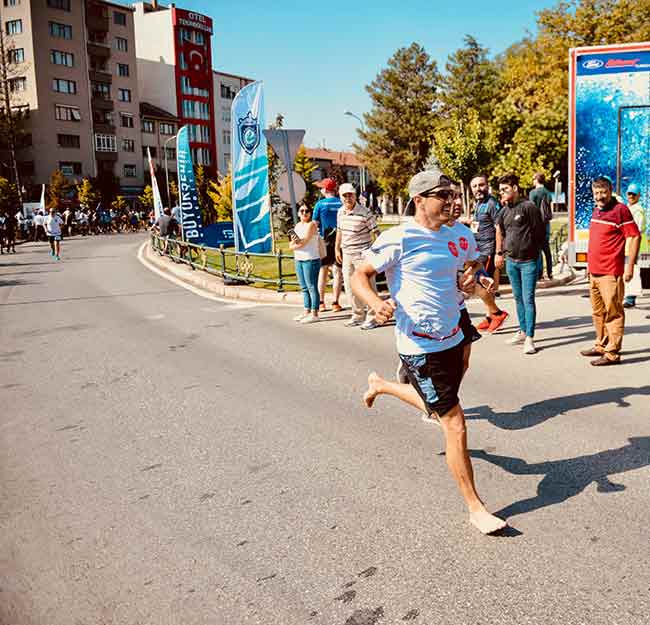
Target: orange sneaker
x: 485, y: 324
x: 336, y: 307
x: 497, y: 321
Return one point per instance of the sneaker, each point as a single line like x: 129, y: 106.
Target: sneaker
x: 529, y: 346
x: 309, y: 319
x: 322, y: 307
x: 629, y: 302
x: 485, y: 324
x: 351, y: 323
x: 497, y: 321
x: 299, y: 317
x: 57, y: 257
x: 336, y: 307
x: 370, y: 324
x: 517, y: 339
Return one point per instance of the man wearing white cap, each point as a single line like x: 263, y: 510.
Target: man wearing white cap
x: 356, y: 229
x: 420, y: 260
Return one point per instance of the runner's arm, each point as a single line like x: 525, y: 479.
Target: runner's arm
x: 362, y: 288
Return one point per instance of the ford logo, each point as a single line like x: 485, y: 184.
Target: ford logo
x: 593, y: 64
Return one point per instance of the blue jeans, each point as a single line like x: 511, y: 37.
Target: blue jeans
x: 307, y: 272
x: 523, y: 278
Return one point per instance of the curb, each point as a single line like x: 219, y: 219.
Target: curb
x: 214, y: 285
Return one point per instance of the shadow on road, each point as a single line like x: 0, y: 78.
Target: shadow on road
x: 536, y: 413
x: 567, y: 478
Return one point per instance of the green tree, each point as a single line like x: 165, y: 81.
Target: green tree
x: 400, y: 126
x: 220, y: 193
x: 146, y: 199
x: 305, y: 167
x: 119, y: 204
x: 202, y: 179
x: 173, y: 192
x: 87, y: 195
x: 9, y: 199
x: 57, y: 190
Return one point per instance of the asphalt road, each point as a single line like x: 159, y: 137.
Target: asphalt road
x: 170, y: 459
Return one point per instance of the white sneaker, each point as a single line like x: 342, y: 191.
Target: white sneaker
x: 309, y: 319
x: 529, y: 346
x: 517, y: 339
x: 370, y: 324
x: 350, y: 323
x: 299, y: 317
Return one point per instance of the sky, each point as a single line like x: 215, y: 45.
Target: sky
x: 315, y: 58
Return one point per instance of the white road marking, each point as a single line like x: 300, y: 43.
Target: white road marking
x: 155, y: 317
x: 201, y: 292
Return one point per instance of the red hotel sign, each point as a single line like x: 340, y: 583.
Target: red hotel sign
x: 188, y: 19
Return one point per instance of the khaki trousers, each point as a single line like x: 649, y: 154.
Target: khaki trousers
x: 359, y: 308
x: 606, y: 293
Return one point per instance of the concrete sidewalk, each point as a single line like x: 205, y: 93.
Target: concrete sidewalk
x: 203, y: 280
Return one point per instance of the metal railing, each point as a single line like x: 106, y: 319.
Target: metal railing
x: 231, y: 266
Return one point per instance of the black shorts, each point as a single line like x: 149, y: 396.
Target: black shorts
x: 470, y: 333
x: 53, y: 237
x: 436, y: 377
x: 330, y: 244
x: 488, y: 263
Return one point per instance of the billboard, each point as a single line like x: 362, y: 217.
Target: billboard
x: 609, y: 133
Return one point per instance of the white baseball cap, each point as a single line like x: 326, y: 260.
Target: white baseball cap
x: 346, y: 187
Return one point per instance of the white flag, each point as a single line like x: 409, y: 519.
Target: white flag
x: 157, y: 201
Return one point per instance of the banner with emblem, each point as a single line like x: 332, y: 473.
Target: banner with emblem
x: 157, y: 201
x: 251, y: 199
x: 188, y: 200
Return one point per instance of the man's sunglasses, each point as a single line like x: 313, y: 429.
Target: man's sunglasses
x: 443, y: 194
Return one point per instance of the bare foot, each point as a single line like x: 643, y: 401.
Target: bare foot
x: 373, y: 389
x: 485, y: 522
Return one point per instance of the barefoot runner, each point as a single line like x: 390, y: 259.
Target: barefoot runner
x: 420, y: 260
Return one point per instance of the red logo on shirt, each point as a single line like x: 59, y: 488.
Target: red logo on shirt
x: 463, y: 243
x: 452, y: 248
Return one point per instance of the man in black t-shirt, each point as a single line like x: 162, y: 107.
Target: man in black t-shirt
x: 542, y: 198
x: 520, y: 237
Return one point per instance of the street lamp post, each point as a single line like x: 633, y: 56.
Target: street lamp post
x: 169, y: 199
x: 363, y: 168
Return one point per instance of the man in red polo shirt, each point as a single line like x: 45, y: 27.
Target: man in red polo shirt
x: 611, y: 224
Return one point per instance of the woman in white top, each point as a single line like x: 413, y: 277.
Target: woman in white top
x: 304, y: 243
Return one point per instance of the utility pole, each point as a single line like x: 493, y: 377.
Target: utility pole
x: 9, y: 118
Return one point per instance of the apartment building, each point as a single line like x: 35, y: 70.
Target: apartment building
x: 76, y: 75
x: 226, y: 87
x: 174, y: 56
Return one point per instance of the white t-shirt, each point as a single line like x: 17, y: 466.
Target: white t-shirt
x: 38, y: 219
x: 467, y: 250
x: 309, y: 251
x: 53, y: 225
x: 421, y: 269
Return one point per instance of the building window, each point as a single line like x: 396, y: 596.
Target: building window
x: 151, y: 148
x: 130, y: 171
x: 148, y: 126
x: 225, y: 134
x: 64, y: 86
x: 193, y: 36
x: 121, y: 44
x: 17, y: 55
x: 194, y: 109
x: 14, y: 27
x: 61, y: 58
x: 187, y: 89
x: 62, y: 31
x: 225, y: 115
x: 68, y: 141
x: 64, y: 5
x: 128, y: 145
x: 166, y: 129
x: 126, y: 120
x: 70, y: 168
x: 171, y: 153
x: 228, y: 92
x: 17, y: 84
x: 122, y: 69
x: 101, y: 90
x: 12, y: 3
x: 201, y: 156
x: 67, y: 113
x: 105, y: 143
x: 124, y: 95
x: 119, y: 18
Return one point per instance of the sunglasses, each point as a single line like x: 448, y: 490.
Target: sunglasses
x: 305, y: 210
x: 444, y: 194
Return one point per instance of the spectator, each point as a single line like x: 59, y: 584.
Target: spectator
x: 356, y: 229
x: 611, y: 227
x: 305, y: 245
x: 10, y: 232
x: 39, y: 229
x: 68, y: 218
x: 542, y: 198
x: 520, y: 236
x: 633, y: 288
x: 325, y: 213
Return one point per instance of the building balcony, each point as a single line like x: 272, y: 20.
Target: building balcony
x: 98, y: 75
x: 100, y: 104
x: 107, y: 157
x: 98, y: 20
x: 100, y: 50
x: 103, y: 128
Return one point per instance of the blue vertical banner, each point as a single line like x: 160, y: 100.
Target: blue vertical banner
x: 188, y: 198
x: 251, y: 200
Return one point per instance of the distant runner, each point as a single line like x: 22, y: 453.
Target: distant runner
x: 52, y: 224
